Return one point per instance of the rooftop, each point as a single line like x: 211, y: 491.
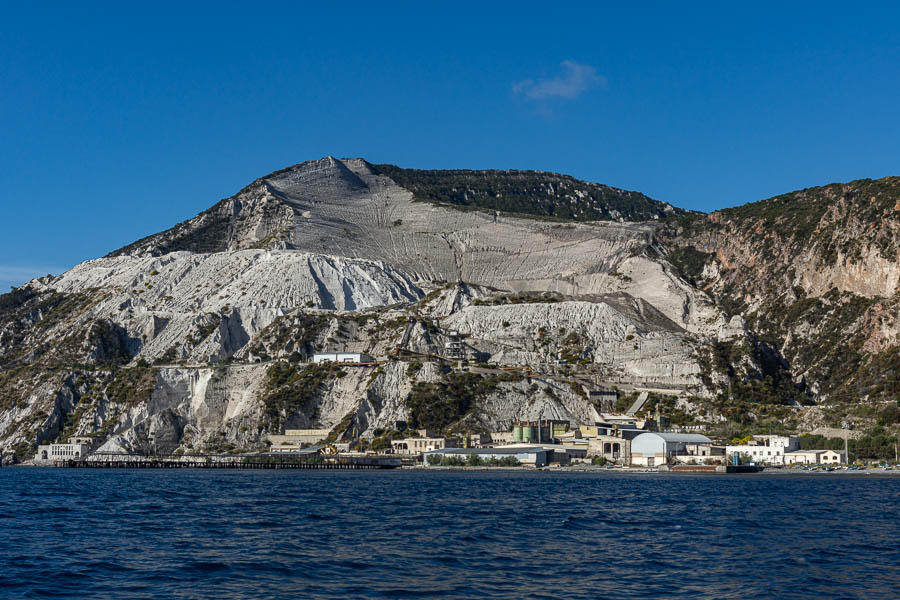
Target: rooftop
x: 500, y: 450
x: 680, y: 437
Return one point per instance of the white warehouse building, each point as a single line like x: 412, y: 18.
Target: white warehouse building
x: 654, y: 449
x: 341, y: 357
x: 766, y: 449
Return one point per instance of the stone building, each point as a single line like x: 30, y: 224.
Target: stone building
x: 420, y: 445
x: 75, y: 449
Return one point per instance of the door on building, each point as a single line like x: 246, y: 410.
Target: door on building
x: 651, y: 461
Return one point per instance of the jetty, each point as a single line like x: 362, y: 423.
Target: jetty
x: 218, y: 461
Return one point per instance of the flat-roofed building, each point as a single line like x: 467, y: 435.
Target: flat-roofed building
x: 525, y: 455
x: 420, y: 445
x: 654, y: 449
x: 701, y: 454
x: 611, y: 441
x: 501, y: 438
x: 76, y: 448
x: 341, y: 357
x: 612, y: 448
x: 765, y: 449
x: 478, y: 440
x: 815, y: 457
x: 557, y: 453
x: 297, y: 438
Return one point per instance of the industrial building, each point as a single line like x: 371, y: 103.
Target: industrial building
x: 542, y: 430
x: 556, y: 453
x: 76, y: 449
x: 423, y: 444
x: 596, y: 442
x: 526, y: 455
x: 603, y: 399
x: 701, y: 453
x: 654, y: 449
x: 294, y: 439
x: 501, y: 438
x: 341, y: 357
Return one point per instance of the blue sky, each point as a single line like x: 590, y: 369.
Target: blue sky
x: 117, y: 122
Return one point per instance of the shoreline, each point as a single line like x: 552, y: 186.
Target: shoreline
x: 578, y: 468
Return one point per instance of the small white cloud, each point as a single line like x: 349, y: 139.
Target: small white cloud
x: 574, y: 80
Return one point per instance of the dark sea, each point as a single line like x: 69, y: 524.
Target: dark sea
x: 445, y: 534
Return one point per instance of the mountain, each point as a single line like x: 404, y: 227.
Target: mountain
x: 195, y: 338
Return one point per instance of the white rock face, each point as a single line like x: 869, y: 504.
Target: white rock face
x: 627, y: 338
x: 163, y: 300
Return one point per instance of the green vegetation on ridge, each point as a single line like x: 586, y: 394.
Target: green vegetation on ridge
x: 534, y: 193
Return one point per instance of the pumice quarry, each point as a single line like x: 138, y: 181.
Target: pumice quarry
x: 338, y: 309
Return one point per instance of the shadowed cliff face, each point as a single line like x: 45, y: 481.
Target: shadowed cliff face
x: 195, y: 338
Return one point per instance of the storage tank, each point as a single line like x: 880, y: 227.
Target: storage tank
x: 517, y: 433
x: 529, y: 434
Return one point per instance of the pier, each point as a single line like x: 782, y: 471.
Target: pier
x: 261, y: 461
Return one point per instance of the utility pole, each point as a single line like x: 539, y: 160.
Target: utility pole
x: 846, y: 426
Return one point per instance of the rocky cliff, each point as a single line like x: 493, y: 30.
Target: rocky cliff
x: 815, y: 272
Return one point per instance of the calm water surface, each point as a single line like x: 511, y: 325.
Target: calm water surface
x: 413, y: 534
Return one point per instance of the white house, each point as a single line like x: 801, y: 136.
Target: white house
x: 654, y: 449
x: 76, y: 449
x: 765, y: 449
x: 341, y: 357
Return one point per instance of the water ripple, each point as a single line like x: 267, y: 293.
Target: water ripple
x: 413, y: 534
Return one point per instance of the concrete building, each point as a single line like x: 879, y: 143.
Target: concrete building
x: 612, y: 448
x: 655, y: 449
x: 341, y: 357
x: 604, y: 399
x: 420, y: 445
x: 501, y: 438
x: 540, y: 431
x: 610, y: 440
x: 75, y: 449
x: 297, y: 438
x: 618, y: 419
x: 815, y: 457
x: 478, y: 440
x: 765, y: 449
x: 526, y: 455
x: 556, y: 453
x: 288, y: 449
x: 701, y: 454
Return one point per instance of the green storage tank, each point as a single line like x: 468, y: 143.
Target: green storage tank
x: 517, y: 433
x: 529, y: 434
